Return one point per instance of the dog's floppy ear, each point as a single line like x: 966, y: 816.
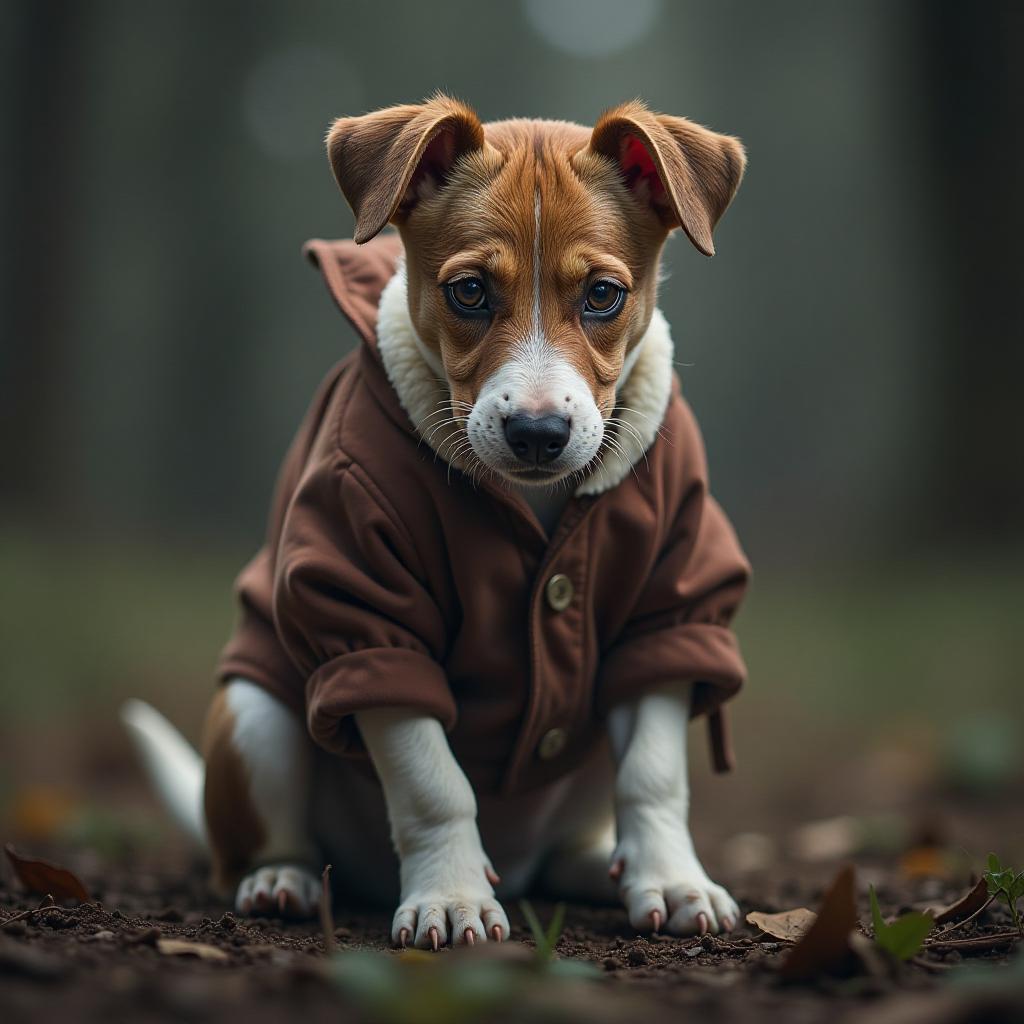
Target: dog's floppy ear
x: 688, y: 173
x: 381, y: 160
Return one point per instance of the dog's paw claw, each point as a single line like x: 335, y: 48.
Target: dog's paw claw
x: 287, y: 889
x: 438, y: 921
x: 679, y: 899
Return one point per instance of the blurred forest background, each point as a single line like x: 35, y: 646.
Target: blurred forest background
x: 855, y: 353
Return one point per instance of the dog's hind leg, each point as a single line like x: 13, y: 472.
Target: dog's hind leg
x: 256, y: 796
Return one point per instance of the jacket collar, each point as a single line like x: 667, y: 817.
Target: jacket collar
x: 368, y: 284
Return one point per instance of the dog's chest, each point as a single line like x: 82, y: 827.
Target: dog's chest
x: 547, y: 504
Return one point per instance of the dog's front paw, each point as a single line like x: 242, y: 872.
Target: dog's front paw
x: 432, y: 917
x: 447, y: 894
x: 661, y: 883
x: 287, y: 889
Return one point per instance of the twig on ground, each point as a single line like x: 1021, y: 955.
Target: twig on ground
x: 959, y: 924
x: 326, y: 916
x: 982, y: 942
x: 47, y: 904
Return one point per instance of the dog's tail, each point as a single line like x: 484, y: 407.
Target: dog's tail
x: 174, y: 767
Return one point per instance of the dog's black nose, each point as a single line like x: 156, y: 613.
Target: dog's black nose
x: 537, y: 439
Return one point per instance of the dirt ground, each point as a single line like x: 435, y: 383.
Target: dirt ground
x: 109, y: 960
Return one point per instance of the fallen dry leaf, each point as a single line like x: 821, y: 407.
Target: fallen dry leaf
x: 825, y: 946
x: 789, y: 925
x: 182, y: 947
x: 46, y: 879
x: 969, y: 904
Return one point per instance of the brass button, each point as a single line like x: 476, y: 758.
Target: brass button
x: 559, y: 591
x: 552, y: 743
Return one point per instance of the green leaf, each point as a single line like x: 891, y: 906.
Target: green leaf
x: 1000, y: 882
x: 555, y: 927
x: 876, y: 913
x: 905, y: 936
x: 545, y: 940
x: 1017, y: 889
x: 993, y: 863
x: 533, y: 922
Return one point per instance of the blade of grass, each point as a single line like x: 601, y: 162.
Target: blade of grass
x: 533, y: 923
x: 555, y: 928
x: 326, y: 914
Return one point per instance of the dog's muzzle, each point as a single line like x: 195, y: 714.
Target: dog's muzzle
x: 537, y: 440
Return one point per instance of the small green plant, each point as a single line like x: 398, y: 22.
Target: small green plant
x: 1007, y: 885
x: 905, y: 936
x: 545, y: 939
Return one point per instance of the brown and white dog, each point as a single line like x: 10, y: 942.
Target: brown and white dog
x: 545, y: 351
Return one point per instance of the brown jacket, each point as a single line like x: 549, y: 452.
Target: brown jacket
x: 389, y: 578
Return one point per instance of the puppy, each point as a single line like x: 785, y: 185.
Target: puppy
x: 495, y: 586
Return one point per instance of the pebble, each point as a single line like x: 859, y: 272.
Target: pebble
x: 103, y: 935
x: 708, y: 943
x: 609, y: 963
x: 637, y: 957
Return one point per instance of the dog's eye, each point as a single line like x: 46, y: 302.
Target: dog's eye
x: 467, y: 295
x: 604, y: 298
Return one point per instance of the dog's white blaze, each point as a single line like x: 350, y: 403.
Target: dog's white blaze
x: 536, y: 380
x: 536, y: 263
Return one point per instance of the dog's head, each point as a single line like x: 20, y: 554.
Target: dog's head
x: 532, y: 252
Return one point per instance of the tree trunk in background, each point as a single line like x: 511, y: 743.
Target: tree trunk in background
x: 40, y: 175
x: 973, y: 481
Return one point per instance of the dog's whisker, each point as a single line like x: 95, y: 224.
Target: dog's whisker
x: 626, y: 425
x: 616, y: 447
x: 642, y: 451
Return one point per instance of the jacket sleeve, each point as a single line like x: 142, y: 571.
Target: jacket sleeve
x: 351, y: 608
x: 678, y: 629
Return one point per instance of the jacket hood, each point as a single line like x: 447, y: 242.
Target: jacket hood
x: 368, y: 284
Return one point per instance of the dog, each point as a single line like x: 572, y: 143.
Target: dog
x: 495, y: 587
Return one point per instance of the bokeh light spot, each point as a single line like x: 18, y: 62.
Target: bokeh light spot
x: 592, y: 28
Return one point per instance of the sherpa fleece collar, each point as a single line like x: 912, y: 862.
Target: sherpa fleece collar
x: 355, y: 275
